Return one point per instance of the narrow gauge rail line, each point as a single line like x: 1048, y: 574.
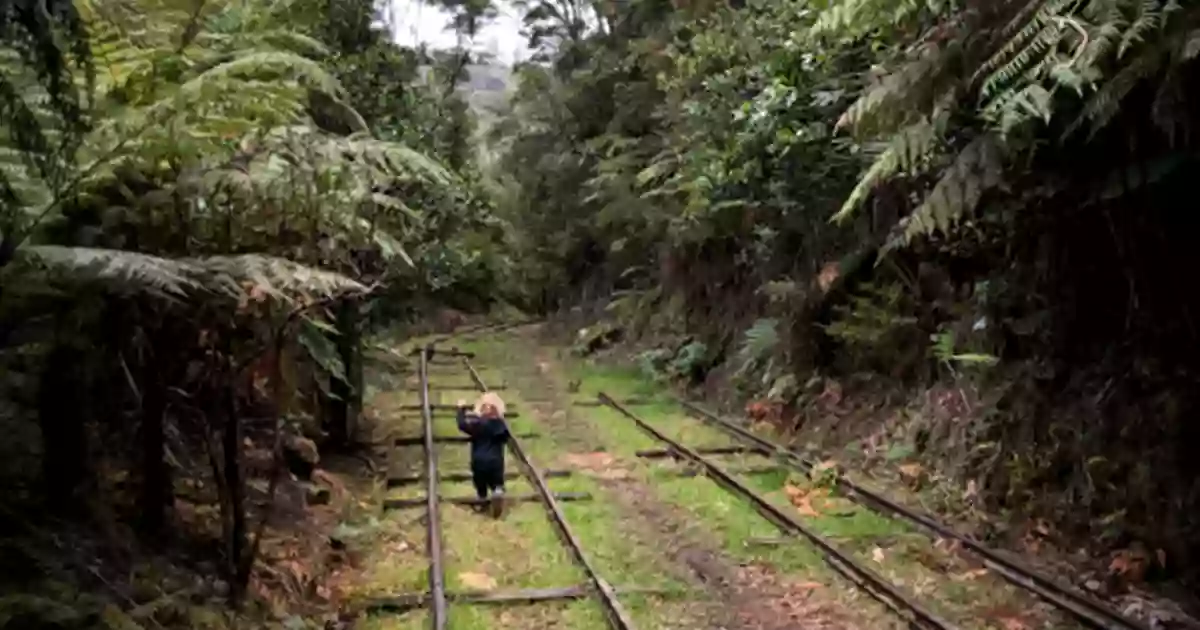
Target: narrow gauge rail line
x: 1088, y: 610
x: 470, y: 331
x: 433, y: 536
x: 869, y: 581
x: 617, y: 617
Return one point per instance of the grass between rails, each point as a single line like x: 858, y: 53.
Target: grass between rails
x: 622, y: 556
x: 946, y: 582
x: 523, y: 551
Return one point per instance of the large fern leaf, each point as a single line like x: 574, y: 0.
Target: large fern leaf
x: 905, y: 152
x: 190, y: 278
x: 976, y: 169
x: 116, y: 270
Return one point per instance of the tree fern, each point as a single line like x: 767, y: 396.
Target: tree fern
x: 899, y: 97
x: 279, y: 278
x: 759, y: 342
x: 116, y: 270
x: 189, y: 278
x: 976, y: 169
x: 906, y: 152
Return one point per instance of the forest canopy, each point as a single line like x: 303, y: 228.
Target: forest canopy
x: 209, y: 209
x: 895, y: 193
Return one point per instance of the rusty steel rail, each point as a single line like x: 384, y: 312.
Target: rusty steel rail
x: 433, y: 536
x: 617, y: 617
x: 1088, y: 610
x: 479, y: 328
x: 869, y: 581
x: 401, y: 504
x: 410, y: 601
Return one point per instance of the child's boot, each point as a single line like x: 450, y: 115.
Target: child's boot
x: 498, y: 503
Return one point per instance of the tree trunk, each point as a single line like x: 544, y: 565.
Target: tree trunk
x: 157, y: 488
x: 231, y: 450
x: 345, y: 404
x: 350, y: 349
x: 61, y: 407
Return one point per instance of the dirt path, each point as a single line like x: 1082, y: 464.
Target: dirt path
x: 738, y: 595
x: 646, y: 526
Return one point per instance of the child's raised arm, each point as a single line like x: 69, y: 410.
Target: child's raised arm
x: 465, y: 425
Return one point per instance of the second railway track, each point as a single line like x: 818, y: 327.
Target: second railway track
x: 1087, y: 610
x: 895, y: 596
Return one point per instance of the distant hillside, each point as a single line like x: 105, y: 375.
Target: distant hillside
x: 486, y: 88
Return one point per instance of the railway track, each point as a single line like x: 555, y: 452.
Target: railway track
x: 1082, y: 607
x: 437, y: 599
x: 1088, y: 610
x: 875, y: 585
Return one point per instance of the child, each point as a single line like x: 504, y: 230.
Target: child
x: 489, y: 435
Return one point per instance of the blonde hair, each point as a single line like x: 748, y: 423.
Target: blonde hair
x: 489, y: 398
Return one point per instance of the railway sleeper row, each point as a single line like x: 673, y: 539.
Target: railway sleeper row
x: 436, y: 599
x: 1083, y: 607
x: 606, y: 595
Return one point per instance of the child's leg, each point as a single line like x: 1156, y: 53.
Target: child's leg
x: 481, y: 480
x: 497, y: 481
x: 496, y: 484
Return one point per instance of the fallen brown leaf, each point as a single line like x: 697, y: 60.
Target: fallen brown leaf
x: 1013, y: 623
x: 912, y: 470
x: 970, y: 576
x: 588, y: 460
x: 477, y: 581
x: 803, y: 499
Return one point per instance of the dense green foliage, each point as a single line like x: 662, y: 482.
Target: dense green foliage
x: 202, y: 204
x: 989, y: 193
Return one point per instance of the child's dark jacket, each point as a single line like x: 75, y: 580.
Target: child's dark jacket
x: 488, y: 438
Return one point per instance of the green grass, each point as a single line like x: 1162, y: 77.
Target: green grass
x: 521, y: 551
x: 621, y: 556
x: 524, y: 549
x: 909, y: 559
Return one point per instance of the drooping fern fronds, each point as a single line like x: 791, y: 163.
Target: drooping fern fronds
x: 282, y: 279
x: 759, y: 342
x: 116, y: 270
x: 906, y: 152
x: 977, y: 169
x: 134, y: 273
x: 1103, y: 105
x: 899, y: 97
x: 1028, y: 42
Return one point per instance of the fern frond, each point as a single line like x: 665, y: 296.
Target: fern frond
x: 143, y: 274
x: 976, y: 169
x: 1023, y: 42
x: 899, y: 97
x: 116, y: 270
x: 758, y: 343
x: 851, y: 19
x: 1104, y: 104
x: 260, y: 64
x: 906, y: 151
x: 1149, y: 18
x: 283, y: 279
